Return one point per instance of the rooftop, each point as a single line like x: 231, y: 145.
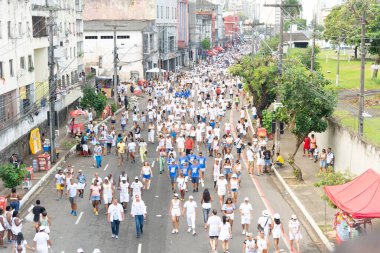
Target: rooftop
x: 123, y: 25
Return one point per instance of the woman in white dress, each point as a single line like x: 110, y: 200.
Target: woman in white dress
x: 146, y: 174
x: 278, y: 228
x: 124, y: 192
x: 221, y: 186
x: 175, y: 212
x: 294, y: 232
x: 262, y: 243
x: 225, y: 234
x: 260, y: 161
x: 107, y: 189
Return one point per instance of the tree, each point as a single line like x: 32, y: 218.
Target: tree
x: 303, y: 56
x: 12, y: 176
x: 373, y: 33
x: 268, y: 46
x: 306, y: 105
x: 92, y: 99
x: 300, y: 22
x: 206, y: 45
x: 260, y: 76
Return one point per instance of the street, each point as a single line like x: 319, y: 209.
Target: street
x: 89, y: 232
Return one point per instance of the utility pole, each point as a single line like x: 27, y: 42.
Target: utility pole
x: 254, y: 25
x: 52, y: 87
x: 115, y: 60
x: 337, y: 66
x: 280, y: 54
x: 313, y: 45
x: 362, y: 70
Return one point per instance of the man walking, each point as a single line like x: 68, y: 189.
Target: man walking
x: 72, y: 190
x: 138, y: 211
x: 213, y: 224
x: 190, y: 207
x: 115, y: 215
x: 245, y: 211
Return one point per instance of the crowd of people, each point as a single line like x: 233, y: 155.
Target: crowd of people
x: 184, y: 120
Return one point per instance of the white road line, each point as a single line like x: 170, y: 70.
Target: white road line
x: 139, y: 248
x: 105, y: 168
x: 62, y: 252
x: 153, y: 163
x: 30, y: 208
x: 79, y: 217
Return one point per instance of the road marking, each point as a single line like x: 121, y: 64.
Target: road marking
x: 62, y: 252
x: 79, y: 217
x: 105, y: 168
x: 139, y: 248
x: 30, y: 208
x: 153, y: 163
x: 258, y: 186
x: 158, y: 215
x: 156, y: 196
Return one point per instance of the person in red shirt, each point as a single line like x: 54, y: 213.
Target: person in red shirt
x: 189, y: 145
x: 306, y: 146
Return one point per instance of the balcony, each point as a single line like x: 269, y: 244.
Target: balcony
x: 39, y: 26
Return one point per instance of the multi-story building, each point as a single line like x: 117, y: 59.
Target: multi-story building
x: 194, y: 40
x: 136, y: 37
x: 232, y: 28
x: 183, y: 32
x: 206, y: 21
x: 166, y: 28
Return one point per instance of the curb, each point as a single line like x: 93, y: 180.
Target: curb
x: 54, y: 168
x: 329, y: 245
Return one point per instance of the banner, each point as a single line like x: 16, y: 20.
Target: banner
x: 35, y: 141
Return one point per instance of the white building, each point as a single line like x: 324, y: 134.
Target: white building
x: 135, y: 46
x: 268, y: 15
x: 166, y: 28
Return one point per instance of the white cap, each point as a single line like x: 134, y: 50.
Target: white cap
x: 123, y: 179
x: 96, y: 251
x: 234, y: 175
x: 106, y: 178
x: 80, y: 250
x: 136, y: 177
x: 191, y: 197
x: 42, y: 228
x: 246, y: 199
x: 265, y: 213
x: 175, y: 194
x: 276, y: 216
x: 294, y: 217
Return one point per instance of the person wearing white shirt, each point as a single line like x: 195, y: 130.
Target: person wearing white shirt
x: 251, y: 158
x: 72, y: 190
x: 138, y: 211
x: 115, y: 215
x: 245, y: 210
x: 264, y: 223
x: 136, y: 187
x: 190, y: 207
x: 42, y: 241
x: 213, y: 224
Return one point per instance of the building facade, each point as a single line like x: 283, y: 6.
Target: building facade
x: 183, y: 32
x: 232, y: 28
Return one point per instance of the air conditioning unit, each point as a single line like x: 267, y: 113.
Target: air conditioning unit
x: 56, y: 133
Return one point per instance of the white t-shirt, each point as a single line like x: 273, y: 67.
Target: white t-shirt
x: 190, y: 207
x: 214, y: 223
x: 180, y: 142
x: 131, y: 147
x: 41, y: 239
x: 115, y: 212
x: 246, y: 209
x: 136, y: 188
x: 250, y: 155
x: 72, y: 190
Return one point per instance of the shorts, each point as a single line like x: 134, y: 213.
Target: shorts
x: 124, y: 197
x: 230, y: 215
x: 250, y: 163
x: 137, y: 136
x: 227, y: 171
x: 238, y: 150
x: 176, y: 212
x: 254, y: 116
x: 245, y: 219
x: 147, y: 176
x: 195, y: 180
x: 214, y: 237
x: 203, y: 169
x: 72, y: 200
x: 95, y: 198
x: 188, y: 151
x: 267, y: 162
x: 59, y: 187
x: 81, y: 186
x: 107, y: 200
x: 322, y: 164
x: 234, y: 190
x: 173, y: 179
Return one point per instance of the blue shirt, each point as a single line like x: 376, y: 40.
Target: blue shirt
x: 173, y: 170
x: 194, y: 170
x: 212, y: 124
x: 202, y: 162
x: 191, y: 157
x: 182, y: 160
x: 185, y: 171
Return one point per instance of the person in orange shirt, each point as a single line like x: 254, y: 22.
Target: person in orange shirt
x: 189, y: 145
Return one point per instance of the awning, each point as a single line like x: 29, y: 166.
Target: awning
x: 156, y: 70
x: 360, y: 197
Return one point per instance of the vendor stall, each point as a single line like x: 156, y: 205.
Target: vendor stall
x: 358, y: 202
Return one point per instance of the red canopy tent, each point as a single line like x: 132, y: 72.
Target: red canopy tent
x: 360, y: 197
x: 76, y: 113
x: 219, y: 49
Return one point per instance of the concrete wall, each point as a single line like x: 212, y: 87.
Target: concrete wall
x: 350, y: 152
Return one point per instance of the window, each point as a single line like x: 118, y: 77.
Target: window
x: 106, y: 37
x: 22, y: 62
x: 11, y: 68
x: 74, y: 51
x: 90, y: 37
x: 30, y: 62
x: 1, y: 70
x: 158, y: 11
x: 123, y: 37
x: 39, y: 26
x: 100, y: 62
x: 1, y: 30
x: 162, y: 11
x: 20, y: 29
x: 27, y: 29
x: 9, y: 30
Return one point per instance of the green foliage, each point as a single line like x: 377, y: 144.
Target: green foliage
x: 113, y: 108
x: 300, y: 22
x: 303, y: 56
x: 91, y: 99
x: 267, y: 120
x: 206, y: 44
x: 12, y: 176
x: 293, y: 11
x: 268, y: 46
x: 260, y: 76
x: 330, y: 178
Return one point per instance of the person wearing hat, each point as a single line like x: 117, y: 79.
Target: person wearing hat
x: 115, y: 214
x: 42, y: 241
x: 108, y: 192
x: 221, y: 188
x: 294, y: 232
x: 190, y: 206
x: 262, y: 243
x: 249, y: 244
x: 175, y: 212
x: 245, y: 211
x: 136, y: 187
x: 234, y: 186
x: 80, y: 250
x: 81, y: 183
x: 264, y: 223
x: 278, y: 228
x: 124, y: 192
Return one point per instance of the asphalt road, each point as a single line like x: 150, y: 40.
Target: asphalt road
x: 89, y: 232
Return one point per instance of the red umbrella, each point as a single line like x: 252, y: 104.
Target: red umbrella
x: 77, y: 113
